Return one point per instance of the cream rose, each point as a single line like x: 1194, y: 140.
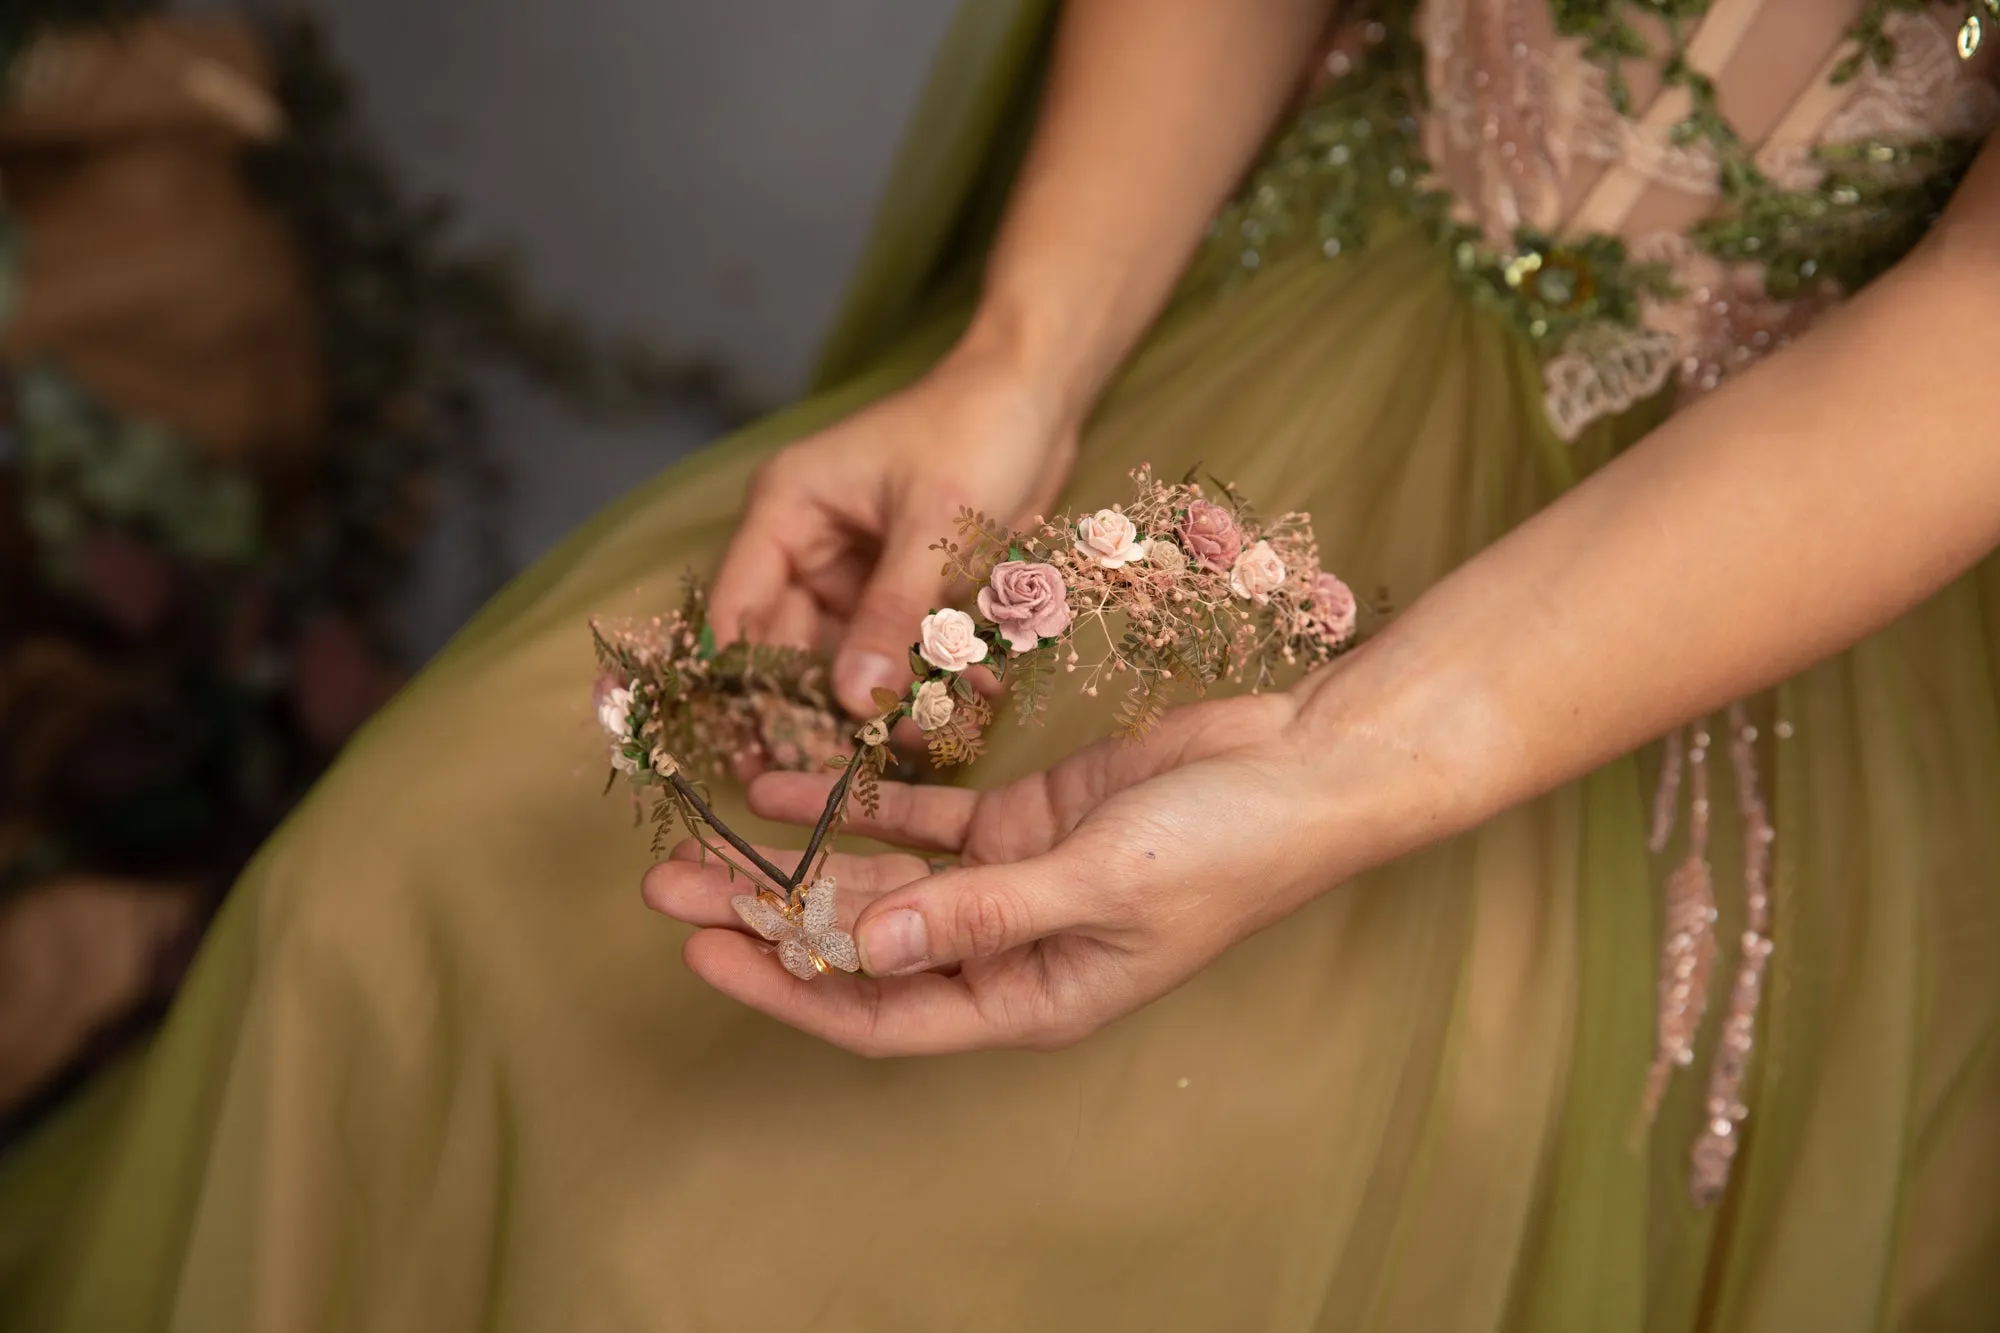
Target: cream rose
x: 949, y: 640
x: 932, y: 708
x: 1258, y: 573
x: 1167, y: 558
x: 1109, y: 538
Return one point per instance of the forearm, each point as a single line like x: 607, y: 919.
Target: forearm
x: 1780, y: 520
x: 1154, y: 110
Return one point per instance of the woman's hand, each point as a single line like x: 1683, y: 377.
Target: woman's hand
x: 834, y: 547
x: 1152, y: 114
x: 1084, y: 892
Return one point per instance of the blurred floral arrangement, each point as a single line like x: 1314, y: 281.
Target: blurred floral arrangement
x: 1180, y: 585
x: 237, y: 363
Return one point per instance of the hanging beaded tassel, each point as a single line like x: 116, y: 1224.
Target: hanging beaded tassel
x: 1687, y: 953
x: 1715, y: 1147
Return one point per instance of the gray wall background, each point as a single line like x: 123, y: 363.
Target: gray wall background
x: 704, y: 170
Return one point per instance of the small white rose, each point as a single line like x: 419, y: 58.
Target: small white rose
x: 949, y: 640
x: 1257, y: 574
x: 1109, y: 538
x: 614, y: 714
x: 932, y: 708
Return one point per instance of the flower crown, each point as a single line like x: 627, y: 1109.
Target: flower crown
x: 1180, y: 586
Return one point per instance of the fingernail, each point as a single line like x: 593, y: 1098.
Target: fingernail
x: 857, y: 674
x: 894, y: 944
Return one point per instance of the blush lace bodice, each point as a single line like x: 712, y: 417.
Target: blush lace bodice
x: 1658, y: 191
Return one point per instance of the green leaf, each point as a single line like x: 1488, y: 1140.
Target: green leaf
x: 706, y: 649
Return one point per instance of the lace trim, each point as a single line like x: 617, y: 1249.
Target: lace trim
x: 1723, y: 321
x: 1604, y: 371
x: 1519, y: 155
x: 1921, y: 93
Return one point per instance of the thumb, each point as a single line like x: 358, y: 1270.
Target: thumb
x: 958, y: 915
x: 906, y: 585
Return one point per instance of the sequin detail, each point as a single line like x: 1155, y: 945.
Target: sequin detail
x: 1687, y: 951
x: 1725, y: 1109
x: 1689, y: 947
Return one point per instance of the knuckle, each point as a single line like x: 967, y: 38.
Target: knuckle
x: 1056, y: 1035
x: 895, y: 804
x: 1122, y: 898
x: 984, y: 922
x: 867, y: 1047
x: 771, y: 475
x: 866, y: 1040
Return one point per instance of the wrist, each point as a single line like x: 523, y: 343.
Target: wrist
x: 1046, y: 354
x: 1404, y: 747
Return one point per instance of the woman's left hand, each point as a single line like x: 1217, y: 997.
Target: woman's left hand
x: 1083, y: 892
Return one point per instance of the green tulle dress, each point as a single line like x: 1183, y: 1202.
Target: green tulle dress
x: 438, y: 1069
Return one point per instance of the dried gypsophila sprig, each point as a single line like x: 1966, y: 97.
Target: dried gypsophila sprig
x: 1180, y: 584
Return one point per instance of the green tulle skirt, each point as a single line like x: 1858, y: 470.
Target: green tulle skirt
x: 438, y: 1069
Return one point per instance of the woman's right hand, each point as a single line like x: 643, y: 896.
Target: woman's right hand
x: 834, y: 546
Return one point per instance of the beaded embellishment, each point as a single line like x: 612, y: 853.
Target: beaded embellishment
x: 1689, y: 948
x: 1617, y: 319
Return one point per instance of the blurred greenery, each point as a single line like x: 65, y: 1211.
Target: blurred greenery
x: 201, y: 612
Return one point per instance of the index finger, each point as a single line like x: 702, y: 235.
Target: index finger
x: 756, y: 569
x: 929, y: 819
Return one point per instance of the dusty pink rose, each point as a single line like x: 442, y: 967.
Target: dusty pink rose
x: 1257, y: 574
x: 1333, y: 608
x: 1027, y: 601
x: 949, y: 641
x: 1109, y: 538
x: 1211, y: 536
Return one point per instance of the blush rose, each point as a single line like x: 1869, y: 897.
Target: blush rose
x: 949, y: 640
x: 1257, y: 574
x: 1333, y: 608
